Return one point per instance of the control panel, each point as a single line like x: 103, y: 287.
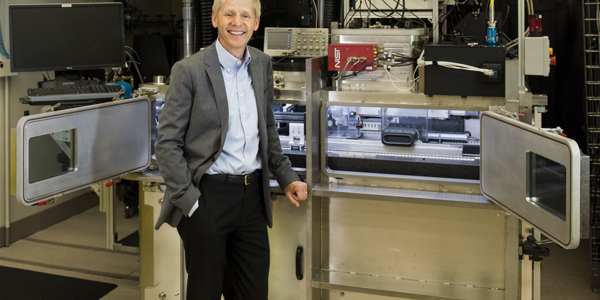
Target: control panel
x: 298, y: 42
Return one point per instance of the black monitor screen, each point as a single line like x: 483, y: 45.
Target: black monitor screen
x: 66, y: 37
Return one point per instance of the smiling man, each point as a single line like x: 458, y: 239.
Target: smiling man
x: 216, y: 144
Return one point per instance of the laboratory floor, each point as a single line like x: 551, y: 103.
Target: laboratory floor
x: 76, y: 248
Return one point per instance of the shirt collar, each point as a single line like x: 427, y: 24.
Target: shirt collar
x: 228, y: 61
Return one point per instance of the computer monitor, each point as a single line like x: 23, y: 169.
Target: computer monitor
x: 66, y: 38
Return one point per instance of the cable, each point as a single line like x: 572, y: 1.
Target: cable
x: 356, y: 73
x: 133, y: 59
x: 515, y: 42
x: 316, y: 14
x: 340, y: 74
x: 135, y: 63
x: 456, y: 2
x: 403, y: 56
x: 439, y: 20
x: 458, y: 66
x: 403, y: 11
x: 343, y: 72
x: 346, y: 16
x: 506, y: 37
x: 532, y: 9
x: 286, y: 56
x: 368, y: 14
x: 394, y: 84
x: 403, y: 7
x: 393, y: 10
x: 353, y: 14
x: 140, y: 59
x: 412, y: 81
x: 400, y: 64
x: 407, y: 81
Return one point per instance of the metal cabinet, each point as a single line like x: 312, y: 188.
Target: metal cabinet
x: 386, y: 235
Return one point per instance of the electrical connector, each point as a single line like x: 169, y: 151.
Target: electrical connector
x: 488, y: 72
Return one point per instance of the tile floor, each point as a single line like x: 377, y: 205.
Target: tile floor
x: 76, y: 248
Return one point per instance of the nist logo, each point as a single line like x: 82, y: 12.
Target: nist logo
x: 337, y: 57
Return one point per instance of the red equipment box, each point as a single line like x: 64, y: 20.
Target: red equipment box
x: 338, y: 55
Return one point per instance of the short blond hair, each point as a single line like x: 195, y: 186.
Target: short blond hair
x: 256, y: 3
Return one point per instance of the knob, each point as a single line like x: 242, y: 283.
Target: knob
x: 310, y: 47
x: 304, y: 47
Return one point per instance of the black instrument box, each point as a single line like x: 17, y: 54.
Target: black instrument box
x: 440, y: 80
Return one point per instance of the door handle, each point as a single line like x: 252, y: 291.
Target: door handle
x: 299, y: 252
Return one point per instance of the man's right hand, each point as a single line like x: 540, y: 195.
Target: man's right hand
x: 296, y: 191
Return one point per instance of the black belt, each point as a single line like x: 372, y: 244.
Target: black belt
x: 247, y: 179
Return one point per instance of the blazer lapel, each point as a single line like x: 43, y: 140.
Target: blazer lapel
x: 257, y: 72
x: 213, y: 69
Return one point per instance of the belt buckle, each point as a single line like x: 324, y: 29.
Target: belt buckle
x: 246, y: 179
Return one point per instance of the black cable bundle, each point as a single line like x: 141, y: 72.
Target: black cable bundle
x: 205, y: 33
x: 341, y: 14
x: 333, y: 9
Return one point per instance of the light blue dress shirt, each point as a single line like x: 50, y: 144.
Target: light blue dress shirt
x: 240, y: 150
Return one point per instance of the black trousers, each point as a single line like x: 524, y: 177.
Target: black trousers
x: 226, y: 243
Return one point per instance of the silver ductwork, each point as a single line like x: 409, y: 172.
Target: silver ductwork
x: 321, y: 16
x: 188, y: 28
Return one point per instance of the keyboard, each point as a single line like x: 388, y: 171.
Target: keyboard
x: 72, y: 93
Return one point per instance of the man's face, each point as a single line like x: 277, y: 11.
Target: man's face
x: 235, y: 23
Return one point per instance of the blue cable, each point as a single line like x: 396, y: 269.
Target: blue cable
x: 365, y: 67
x: 456, y: 1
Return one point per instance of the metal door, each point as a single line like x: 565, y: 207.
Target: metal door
x: 64, y: 151
x: 533, y: 174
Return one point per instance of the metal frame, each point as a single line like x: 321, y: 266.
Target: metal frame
x: 349, y: 187
x: 432, y: 15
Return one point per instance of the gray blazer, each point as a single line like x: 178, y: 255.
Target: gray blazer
x: 193, y: 125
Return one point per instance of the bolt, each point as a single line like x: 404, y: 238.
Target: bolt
x: 162, y: 296
x: 342, y: 294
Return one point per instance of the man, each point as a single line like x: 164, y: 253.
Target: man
x: 216, y: 143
